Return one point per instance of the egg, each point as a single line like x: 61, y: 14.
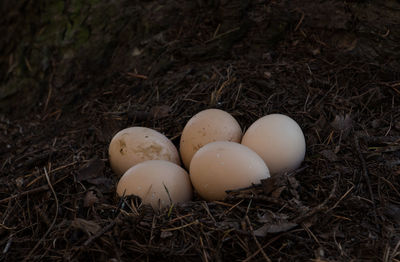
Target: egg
x: 207, y: 126
x: 279, y: 140
x: 223, y: 165
x: 134, y: 145
x: 158, y: 183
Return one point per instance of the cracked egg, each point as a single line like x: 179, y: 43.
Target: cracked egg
x: 134, y: 145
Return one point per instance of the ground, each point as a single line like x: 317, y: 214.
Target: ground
x: 73, y: 73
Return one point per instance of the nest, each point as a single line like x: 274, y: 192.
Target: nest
x: 58, y: 201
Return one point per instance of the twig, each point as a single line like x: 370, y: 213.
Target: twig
x: 48, y: 97
x: 137, y: 75
x: 180, y: 227
x: 179, y: 218
x: 33, y: 190
x: 395, y: 252
x: 341, y: 198
x: 205, y: 206
x: 204, y: 250
x: 381, y: 139
x: 54, y: 219
x: 391, y: 185
x: 230, y: 209
x: 99, y: 233
x: 256, y: 197
x: 253, y: 186
x: 34, y: 159
x: 153, y: 226
x: 255, y: 239
x: 50, y: 90
x: 311, y: 234
x: 269, y: 243
x: 365, y: 174
x: 222, y: 34
x: 318, y: 208
x: 8, y: 245
x: 109, y: 226
x: 37, y: 189
x: 300, y: 21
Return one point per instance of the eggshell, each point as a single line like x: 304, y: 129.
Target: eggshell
x: 207, y: 126
x: 279, y: 140
x: 157, y: 183
x: 133, y: 145
x: 222, y: 165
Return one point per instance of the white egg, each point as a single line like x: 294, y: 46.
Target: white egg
x: 222, y: 165
x: 207, y: 126
x: 158, y: 183
x: 279, y: 140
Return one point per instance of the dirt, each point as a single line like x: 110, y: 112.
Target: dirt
x: 74, y: 74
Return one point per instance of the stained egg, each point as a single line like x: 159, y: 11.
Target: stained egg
x: 158, y: 183
x: 207, y: 126
x: 279, y: 140
x: 222, y: 165
x: 134, y: 145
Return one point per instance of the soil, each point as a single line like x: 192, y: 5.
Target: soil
x: 333, y: 66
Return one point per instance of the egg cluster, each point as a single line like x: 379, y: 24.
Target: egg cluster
x: 214, y: 152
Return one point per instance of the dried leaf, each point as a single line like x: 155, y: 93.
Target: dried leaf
x: 93, y: 169
x: 89, y: 227
x: 377, y: 123
x: 99, y: 181
x: 326, y: 14
x: 277, y: 192
x: 166, y: 234
x: 156, y: 112
x: 397, y: 126
x: 345, y: 41
x: 278, y: 183
x: 299, y: 206
x: 329, y: 154
x: 274, y: 183
x: 342, y: 123
x: 228, y: 224
x: 393, y: 211
x: 92, y: 173
x: 160, y: 111
x: 90, y: 199
x: 19, y: 182
x: 293, y: 182
x: 269, y: 184
x: 103, y: 184
x: 270, y: 217
x: 274, y: 228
